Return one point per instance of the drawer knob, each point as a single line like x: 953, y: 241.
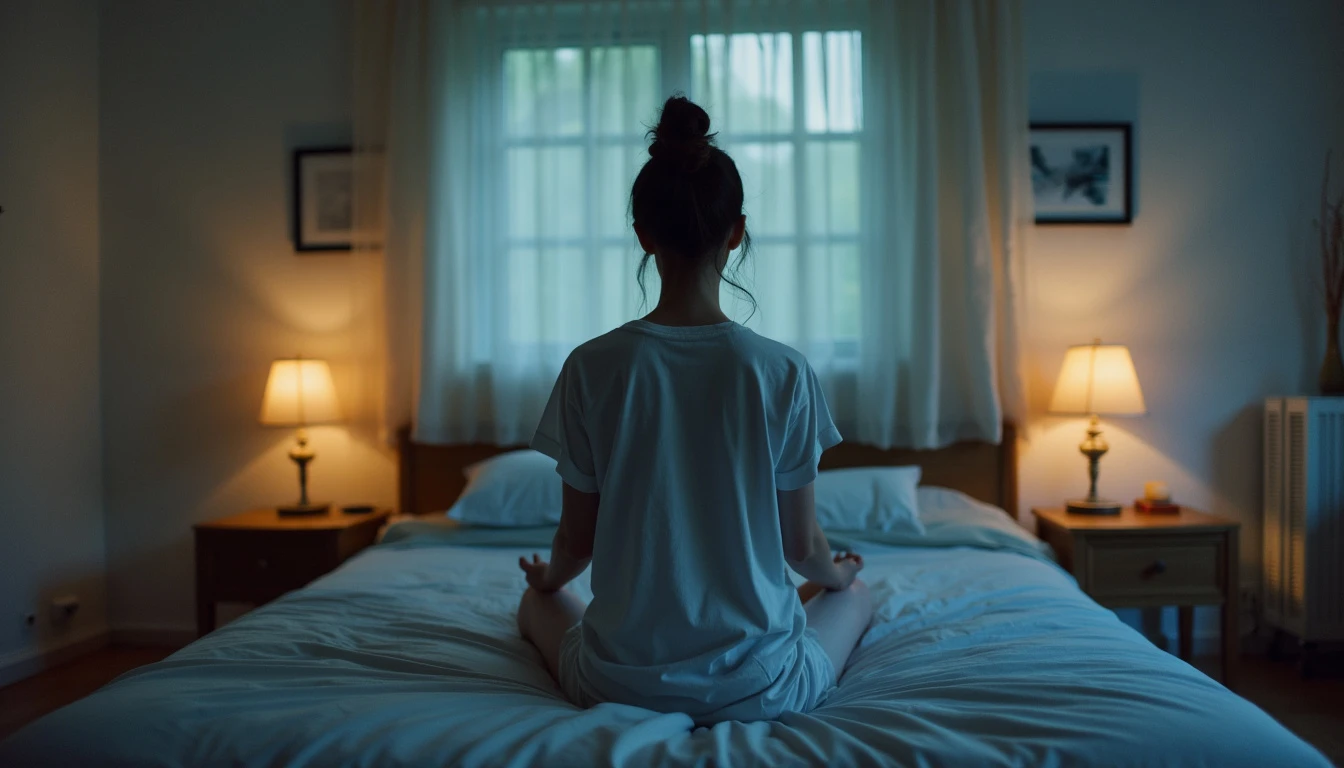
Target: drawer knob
x: 1156, y: 569
x: 262, y: 564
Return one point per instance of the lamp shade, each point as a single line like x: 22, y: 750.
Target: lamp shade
x: 299, y: 391
x: 1098, y: 379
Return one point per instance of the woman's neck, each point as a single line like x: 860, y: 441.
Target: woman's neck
x: 689, y: 300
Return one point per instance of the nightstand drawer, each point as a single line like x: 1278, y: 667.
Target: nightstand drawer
x: 261, y: 567
x: 1142, y: 568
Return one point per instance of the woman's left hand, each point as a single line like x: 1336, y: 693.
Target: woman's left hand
x: 535, y: 572
x: 840, y: 557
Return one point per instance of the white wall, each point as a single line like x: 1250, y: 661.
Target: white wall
x: 202, y: 103
x: 50, y: 442
x: 1234, y: 105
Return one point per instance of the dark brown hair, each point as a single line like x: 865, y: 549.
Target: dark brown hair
x: 688, y: 196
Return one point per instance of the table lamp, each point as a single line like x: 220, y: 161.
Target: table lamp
x: 1097, y: 380
x: 300, y: 392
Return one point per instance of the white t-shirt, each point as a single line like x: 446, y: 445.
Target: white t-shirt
x: 687, y: 433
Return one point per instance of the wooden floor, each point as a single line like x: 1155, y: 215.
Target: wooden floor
x: 27, y: 700
x: 1313, y: 709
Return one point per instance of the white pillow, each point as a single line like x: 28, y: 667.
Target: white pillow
x: 869, y: 499
x: 511, y: 490
x: 521, y: 488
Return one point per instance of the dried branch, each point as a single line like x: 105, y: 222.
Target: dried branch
x: 1331, y: 226
x: 1336, y: 256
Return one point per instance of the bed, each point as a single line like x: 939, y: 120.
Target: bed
x: 982, y: 652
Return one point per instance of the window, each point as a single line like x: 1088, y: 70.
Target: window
x: 786, y: 105
x: 573, y: 144
x: 796, y: 146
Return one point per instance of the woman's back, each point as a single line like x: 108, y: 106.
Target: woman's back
x: 686, y: 433
x: 688, y: 446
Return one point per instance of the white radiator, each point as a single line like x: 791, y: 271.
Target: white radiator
x: 1304, y: 517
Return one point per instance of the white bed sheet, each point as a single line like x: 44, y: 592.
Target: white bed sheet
x: 408, y: 655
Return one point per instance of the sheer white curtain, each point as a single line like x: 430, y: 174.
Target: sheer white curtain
x: 881, y: 147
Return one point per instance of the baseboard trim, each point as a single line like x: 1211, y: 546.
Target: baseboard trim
x: 153, y: 635
x: 17, y: 665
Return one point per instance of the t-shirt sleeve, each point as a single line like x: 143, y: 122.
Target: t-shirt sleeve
x: 809, y: 432
x: 562, y: 436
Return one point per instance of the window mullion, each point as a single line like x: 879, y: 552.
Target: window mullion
x: 804, y: 298
x: 674, y: 56
x: 492, y: 326
x: 593, y: 257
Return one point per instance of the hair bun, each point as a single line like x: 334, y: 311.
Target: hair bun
x: 682, y: 134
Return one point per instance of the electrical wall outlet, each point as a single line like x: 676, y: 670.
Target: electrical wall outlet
x: 63, y: 609
x: 25, y: 628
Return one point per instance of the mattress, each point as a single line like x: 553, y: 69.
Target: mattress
x: 982, y: 652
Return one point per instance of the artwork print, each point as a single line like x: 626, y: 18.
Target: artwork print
x: 324, y: 185
x: 1081, y: 173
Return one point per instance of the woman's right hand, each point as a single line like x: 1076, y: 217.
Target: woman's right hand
x: 535, y: 572
x: 847, y: 566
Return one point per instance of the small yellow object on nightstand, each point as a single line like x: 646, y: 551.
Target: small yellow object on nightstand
x: 1156, y: 490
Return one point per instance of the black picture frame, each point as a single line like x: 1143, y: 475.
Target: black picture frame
x: 323, y: 224
x: 1076, y: 177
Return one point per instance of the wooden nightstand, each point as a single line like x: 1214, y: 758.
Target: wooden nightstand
x: 1137, y: 561
x: 258, y: 556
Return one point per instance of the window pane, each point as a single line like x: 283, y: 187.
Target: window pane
x: 625, y: 89
x: 523, y: 285
x: 832, y: 277
x: 543, y: 92
x: 767, y: 185
x: 832, y: 63
x: 772, y: 276
x: 542, y: 201
x: 549, y: 295
x: 815, y: 297
x: 614, y: 174
x: 832, y: 206
x: 621, y: 299
x: 745, y: 81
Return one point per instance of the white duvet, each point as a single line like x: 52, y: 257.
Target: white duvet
x: 409, y: 656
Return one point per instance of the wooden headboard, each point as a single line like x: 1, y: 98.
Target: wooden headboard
x: 431, y: 479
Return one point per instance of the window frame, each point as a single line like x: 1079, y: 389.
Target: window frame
x: 673, y: 45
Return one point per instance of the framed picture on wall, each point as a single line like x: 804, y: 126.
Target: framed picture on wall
x: 324, y: 187
x: 1082, y: 173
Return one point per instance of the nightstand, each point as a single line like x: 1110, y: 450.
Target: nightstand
x: 258, y: 556
x: 1135, y: 560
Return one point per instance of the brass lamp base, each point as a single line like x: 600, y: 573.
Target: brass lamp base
x: 1094, y: 447
x: 1091, y: 507
x: 302, y: 454
x: 302, y: 510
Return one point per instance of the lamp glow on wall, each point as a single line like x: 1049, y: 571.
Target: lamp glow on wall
x: 1097, y: 380
x: 300, y: 392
